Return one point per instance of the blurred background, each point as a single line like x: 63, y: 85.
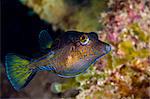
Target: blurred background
x: 125, y: 24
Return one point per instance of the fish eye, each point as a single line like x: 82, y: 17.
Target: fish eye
x: 84, y: 39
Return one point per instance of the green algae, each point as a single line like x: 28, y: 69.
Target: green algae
x: 125, y: 65
x: 138, y: 32
x: 128, y: 71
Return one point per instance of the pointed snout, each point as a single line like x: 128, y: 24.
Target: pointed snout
x: 107, y: 48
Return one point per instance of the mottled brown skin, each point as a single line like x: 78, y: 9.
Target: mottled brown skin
x: 70, y: 55
x: 68, y: 52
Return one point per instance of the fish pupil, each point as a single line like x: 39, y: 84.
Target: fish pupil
x: 83, y: 38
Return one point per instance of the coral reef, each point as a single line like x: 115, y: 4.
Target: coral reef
x: 122, y: 74
x: 81, y: 15
x: 126, y: 70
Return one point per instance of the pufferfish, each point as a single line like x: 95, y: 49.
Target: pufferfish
x: 70, y: 55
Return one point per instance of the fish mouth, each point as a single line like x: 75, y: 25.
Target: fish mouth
x: 107, y: 48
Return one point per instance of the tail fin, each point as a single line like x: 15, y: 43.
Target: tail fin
x: 18, y: 71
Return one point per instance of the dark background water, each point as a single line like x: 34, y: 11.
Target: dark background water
x: 19, y: 34
x: 20, y: 29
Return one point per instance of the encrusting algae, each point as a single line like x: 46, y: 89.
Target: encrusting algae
x: 81, y: 15
x: 125, y: 72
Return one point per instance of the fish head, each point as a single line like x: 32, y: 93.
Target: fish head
x: 77, y: 51
x: 89, y: 45
x: 99, y: 48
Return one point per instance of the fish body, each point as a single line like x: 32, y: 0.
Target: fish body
x: 70, y: 54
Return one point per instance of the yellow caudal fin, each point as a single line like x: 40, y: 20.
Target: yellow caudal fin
x: 18, y: 71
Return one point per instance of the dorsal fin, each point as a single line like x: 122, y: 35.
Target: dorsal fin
x: 45, y: 40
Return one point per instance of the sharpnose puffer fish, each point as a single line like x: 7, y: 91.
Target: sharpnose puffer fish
x: 70, y: 55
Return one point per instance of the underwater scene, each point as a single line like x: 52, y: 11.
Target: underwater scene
x: 75, y: 49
